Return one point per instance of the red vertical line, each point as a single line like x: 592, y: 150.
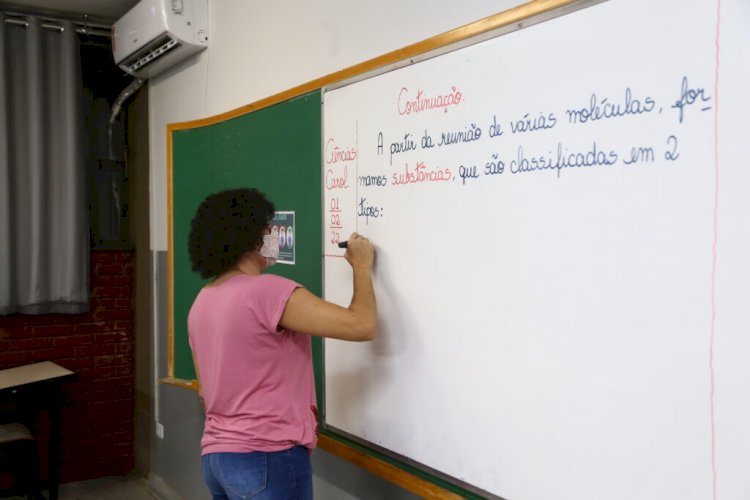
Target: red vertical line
x: 356, y: 175
x: 714, y: 257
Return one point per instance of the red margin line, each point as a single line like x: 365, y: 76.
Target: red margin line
x: 356, y: 175
x: 714, y: 257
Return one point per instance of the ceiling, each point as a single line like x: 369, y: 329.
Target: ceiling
x: 95, y: 11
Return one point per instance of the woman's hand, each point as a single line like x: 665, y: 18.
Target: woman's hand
x: 360, y: 252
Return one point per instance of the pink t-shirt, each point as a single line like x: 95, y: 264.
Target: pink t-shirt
x: 257, y: 379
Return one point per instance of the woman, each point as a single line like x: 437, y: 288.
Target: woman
x: 250, y: 337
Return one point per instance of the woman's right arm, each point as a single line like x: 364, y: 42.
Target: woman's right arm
x: 305, y: 312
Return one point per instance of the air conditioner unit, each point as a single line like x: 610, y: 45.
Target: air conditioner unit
x: 157, y: 34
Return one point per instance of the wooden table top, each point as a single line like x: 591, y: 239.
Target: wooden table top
x: 28, y: 374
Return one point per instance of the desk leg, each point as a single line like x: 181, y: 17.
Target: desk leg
x: 53, y: 459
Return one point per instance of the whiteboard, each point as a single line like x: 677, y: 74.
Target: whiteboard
x: 561, y: 222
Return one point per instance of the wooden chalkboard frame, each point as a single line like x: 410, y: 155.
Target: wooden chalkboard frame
x: 412, y: 477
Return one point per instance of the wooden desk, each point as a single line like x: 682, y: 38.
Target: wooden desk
x: 35, y: 386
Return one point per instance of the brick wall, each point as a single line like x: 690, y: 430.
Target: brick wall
x: 97, y: 427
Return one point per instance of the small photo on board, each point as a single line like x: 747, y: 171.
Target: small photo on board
x: 282, y: 225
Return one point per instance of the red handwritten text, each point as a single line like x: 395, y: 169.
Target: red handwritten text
x: 334, y: 181
x: 410, y: 104
x: 335, y: 154
x: 421, y: 174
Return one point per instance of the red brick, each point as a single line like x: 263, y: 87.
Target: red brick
x: 123, y: 325
x: 114, y: 382
x: 113, y: 409
x: 52, y: 319
x: 126, y: 281
x: 113, y: 291
x: 95, y: 350
x: 31, y: 343
x: 125, y: 303
x: 10, y: 321
x: 118, y: 393
x: 119, y: 314
x: 104, y: 304
x: 99, y: 326
x: 28, y: 344
x: 14, y: 322
x: 75, y: 364
x: 99, y: 282
x: 97, y: 257
x: 89, y: 441
x: 18, y: 332
x: 103, y: 269
x: 105, y: 372
x: 123, y: 421
x: 52, y: 354
x: 13, y: 359
x: 52, y: 330
x: 116, y: 360
x: 126, y: 257
x: 73, y: 340
x: 124, y: 347
x: 123, y: 444
x: 121, y: 371
x: 111, y: 337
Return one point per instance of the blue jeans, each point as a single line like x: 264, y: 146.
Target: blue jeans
x: 259, y: 475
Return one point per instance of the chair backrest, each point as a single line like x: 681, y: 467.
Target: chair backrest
x: 14, y: 431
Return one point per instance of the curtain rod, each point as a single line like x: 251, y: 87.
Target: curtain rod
x: 52, y: 24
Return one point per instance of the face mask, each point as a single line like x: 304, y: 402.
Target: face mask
x: 270, y: 249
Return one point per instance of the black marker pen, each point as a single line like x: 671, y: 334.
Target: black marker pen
x: 343, y: 244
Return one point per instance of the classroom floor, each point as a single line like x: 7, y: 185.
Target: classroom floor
x: 108, y: 488
x: 129, y: 487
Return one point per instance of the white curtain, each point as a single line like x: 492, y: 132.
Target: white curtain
x: 44, y: 230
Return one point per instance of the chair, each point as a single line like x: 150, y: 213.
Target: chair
x: 20, y: 459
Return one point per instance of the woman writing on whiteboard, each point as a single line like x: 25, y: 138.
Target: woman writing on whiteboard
x: 250, y: 337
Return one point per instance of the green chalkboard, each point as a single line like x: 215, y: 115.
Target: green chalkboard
x: 276, y: 149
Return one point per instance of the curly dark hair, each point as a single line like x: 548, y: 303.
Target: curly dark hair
x: 227, y: 225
